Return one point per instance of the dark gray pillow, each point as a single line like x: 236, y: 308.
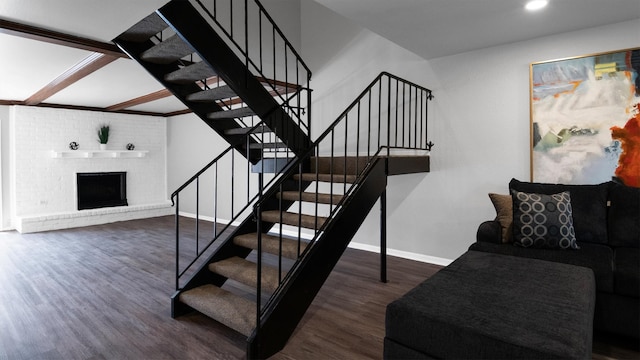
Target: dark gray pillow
x: 543, y: 221
x: 588, y: 203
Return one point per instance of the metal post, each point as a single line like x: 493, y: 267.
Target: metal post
x: 383, y: 236
x: 197, y: 216
x: 259, y: 255
x: 177, y: 220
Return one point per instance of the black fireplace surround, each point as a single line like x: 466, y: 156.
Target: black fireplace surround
x: 104, y: 189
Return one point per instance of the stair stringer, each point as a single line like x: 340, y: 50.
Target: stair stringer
x: 195, y: 31
x: 290, y: 302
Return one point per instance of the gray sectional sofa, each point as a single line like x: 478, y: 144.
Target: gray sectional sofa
x: 606, y: 219
x: 557, y: 262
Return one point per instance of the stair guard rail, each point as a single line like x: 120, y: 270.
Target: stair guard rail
x: 233, y: 188
x: 391, y: 113
x: 215, y: 197
x: 268, y: 54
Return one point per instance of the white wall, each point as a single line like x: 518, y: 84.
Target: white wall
x: 482, y: 125
x: 5, y: 219
x: 286, y: 14
x: 479, y: 122
x: 191, y: 144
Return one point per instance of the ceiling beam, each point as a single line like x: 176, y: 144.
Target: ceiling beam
x: 84, y: 108
x: 58, y: 38
x: 179, y: 112
x: 160, y: 94
x: 99, y: 109
x: 85, y: 67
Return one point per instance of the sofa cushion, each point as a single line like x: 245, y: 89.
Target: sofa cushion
x: 497, y: 307
x: 588, y: 202
x: 504, y: 214
x: 624, y: 216
x: 543, y: 221
x: 626, y: 274
x: 595, y: 256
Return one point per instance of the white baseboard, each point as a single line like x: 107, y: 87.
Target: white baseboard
x: 354, y: 245
x: 403, y: 254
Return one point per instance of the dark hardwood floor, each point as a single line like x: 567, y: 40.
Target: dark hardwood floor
x: 102, y: 292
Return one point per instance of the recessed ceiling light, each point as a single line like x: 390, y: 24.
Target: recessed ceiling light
x: 536, y: 5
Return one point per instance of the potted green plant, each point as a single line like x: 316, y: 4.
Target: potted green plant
x: 103, y: 136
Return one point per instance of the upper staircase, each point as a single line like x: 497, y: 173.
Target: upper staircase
x: 292, y: 205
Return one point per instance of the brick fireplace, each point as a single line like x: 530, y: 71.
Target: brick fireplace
x: 44, y: 186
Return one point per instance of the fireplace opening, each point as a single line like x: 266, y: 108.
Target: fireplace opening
x: 98, y: 190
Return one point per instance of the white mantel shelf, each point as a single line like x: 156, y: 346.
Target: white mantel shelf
x: 100, y: 154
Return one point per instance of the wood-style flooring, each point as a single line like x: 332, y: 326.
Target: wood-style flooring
x: 102, y: 292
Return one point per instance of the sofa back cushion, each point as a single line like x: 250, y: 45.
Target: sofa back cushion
x: 624, y: 216
x: 588, y: 202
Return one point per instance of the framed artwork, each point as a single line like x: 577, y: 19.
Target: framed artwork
x: 585, y: 119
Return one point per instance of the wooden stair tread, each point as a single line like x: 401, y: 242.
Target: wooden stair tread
x: 289, y: 218
x: 191, y: 73
x: 270, y: 244
x: 244, y: 271
x: 276, y: 145
x: 246, y: 130
x: 144, y: 29
x: 167, y: 51
x: 335, y: 178
x: 231, y: 114
x: 227, y: 308
x: 310, y: 197
x: 211, y: 95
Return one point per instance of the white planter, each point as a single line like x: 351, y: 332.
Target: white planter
x: 103, y: 146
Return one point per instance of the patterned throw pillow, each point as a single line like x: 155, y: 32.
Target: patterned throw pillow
x: 543, y: 221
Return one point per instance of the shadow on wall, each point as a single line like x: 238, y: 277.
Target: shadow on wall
x: 325, y: 35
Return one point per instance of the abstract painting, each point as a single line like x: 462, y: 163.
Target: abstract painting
x: 585, y: 119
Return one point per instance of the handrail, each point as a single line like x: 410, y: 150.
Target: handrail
x: 277, y: 28
x: 282, y: 65
x: 221, y: 165
x: 197, y: 175
x: 388, y: 97
x: 289, y: 100
x: 290, y: 170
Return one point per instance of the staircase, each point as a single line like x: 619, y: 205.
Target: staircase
x: 217, y: 81
x: 294, y: 203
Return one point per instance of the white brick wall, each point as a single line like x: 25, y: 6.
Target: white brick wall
x: 45, y: 187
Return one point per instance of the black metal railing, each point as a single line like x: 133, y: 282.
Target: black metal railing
x: 268, y: 55
x: 224, y: 190
x: 390, y: 114
x: 219, y: 194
